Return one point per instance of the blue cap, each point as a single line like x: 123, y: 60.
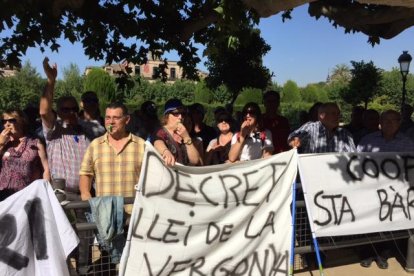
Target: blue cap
x: 172, y: 104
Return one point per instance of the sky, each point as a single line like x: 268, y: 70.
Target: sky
x: 304, y: 49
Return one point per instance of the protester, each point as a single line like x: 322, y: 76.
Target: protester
x: 200, y: 129
x: 173, y: 140
x: 90, y: 116
x: 218, y: 149
x: 388, y: 139
x: 65, y: 138
x: 66, y: 144
x: 34, y: 123
x: 253, y: 141
x: 23, y: 159
x: 277, y: 124
x: 114, y: 159
x: 370, y: 124
x: 313, y: 112
x: 356, y: 123
x: 324, y: 135
x: 144, y: 121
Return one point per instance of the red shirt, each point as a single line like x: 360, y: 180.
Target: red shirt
x: 280, y: 129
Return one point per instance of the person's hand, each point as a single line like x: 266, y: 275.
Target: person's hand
x: 246, y: 128
x: 182, y: 131
x: 168, y: 158
x: 5, y: 136
x: 295, y: 142
x: 51, y: 72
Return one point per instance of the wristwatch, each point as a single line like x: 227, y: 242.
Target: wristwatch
x: 188, y: 142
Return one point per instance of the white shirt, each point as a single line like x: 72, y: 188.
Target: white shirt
x: 253, y: 146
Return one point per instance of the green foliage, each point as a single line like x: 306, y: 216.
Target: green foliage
x: 24, y: 88
x: 364, y: 84
x: 182, y: 89
x: 103, y: 85
x: 249, y: 95
x: 290, y: 92
x: 202, y: 94
x: 291, y: 111
x: 222, y: 95
x: 72, y: 83
x: 391, y: 86
x: 238, y: 66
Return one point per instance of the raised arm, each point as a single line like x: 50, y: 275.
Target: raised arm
x: 46, y: 101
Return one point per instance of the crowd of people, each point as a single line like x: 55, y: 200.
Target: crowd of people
x: 102, y: 156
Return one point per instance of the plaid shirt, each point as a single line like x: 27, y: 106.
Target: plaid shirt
x: 314, y: 139
x: 116, y: 174
x: 375, y: 142
x: 65, y: 149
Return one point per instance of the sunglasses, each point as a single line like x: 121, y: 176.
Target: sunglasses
x: 67, y: 110
x: 224, y: 121
x: 11, y: 121
x: 178, y: 113
x: 90, y: 100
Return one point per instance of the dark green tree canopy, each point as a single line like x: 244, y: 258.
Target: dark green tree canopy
x: 364, y: 84
x: 126, y: 29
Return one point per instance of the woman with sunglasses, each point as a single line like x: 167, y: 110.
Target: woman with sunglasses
x: 253, y: 141
x: 23, y: 159
x: 218, y: 149
x: 173, y: 140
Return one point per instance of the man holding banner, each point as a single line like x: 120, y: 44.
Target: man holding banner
x: 388, y: 139
x: 324, y: 135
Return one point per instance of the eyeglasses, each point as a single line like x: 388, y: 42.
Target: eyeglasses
x: 114, y: 118
x: 178, y: 113
x: 11, y: 121
x: 67, y: 110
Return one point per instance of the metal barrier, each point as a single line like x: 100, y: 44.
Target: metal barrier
x: 100, y: 262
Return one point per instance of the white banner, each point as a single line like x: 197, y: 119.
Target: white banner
x: 357, y: 193
x: 35, y: 235
x: 228, y: 219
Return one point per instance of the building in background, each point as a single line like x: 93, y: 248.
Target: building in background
x: 7, y: 71
x: 150, y: 71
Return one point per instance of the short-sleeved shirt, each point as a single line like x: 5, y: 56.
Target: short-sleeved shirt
x: 115, y: 173
x: 375, y: 142
x: 65, y: 147
x: 20, y: 167
x: 254, y: 144
x: 315, y: 139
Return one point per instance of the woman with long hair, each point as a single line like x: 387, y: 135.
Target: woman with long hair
x: 23, y: 159
x: 218, y: 149
x: 252, y: 141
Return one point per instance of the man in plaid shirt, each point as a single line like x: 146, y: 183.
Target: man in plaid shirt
x: 324, y: 135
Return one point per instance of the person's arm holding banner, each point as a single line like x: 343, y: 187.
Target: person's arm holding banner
x: 295, y: 142
x: 166, y: 154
